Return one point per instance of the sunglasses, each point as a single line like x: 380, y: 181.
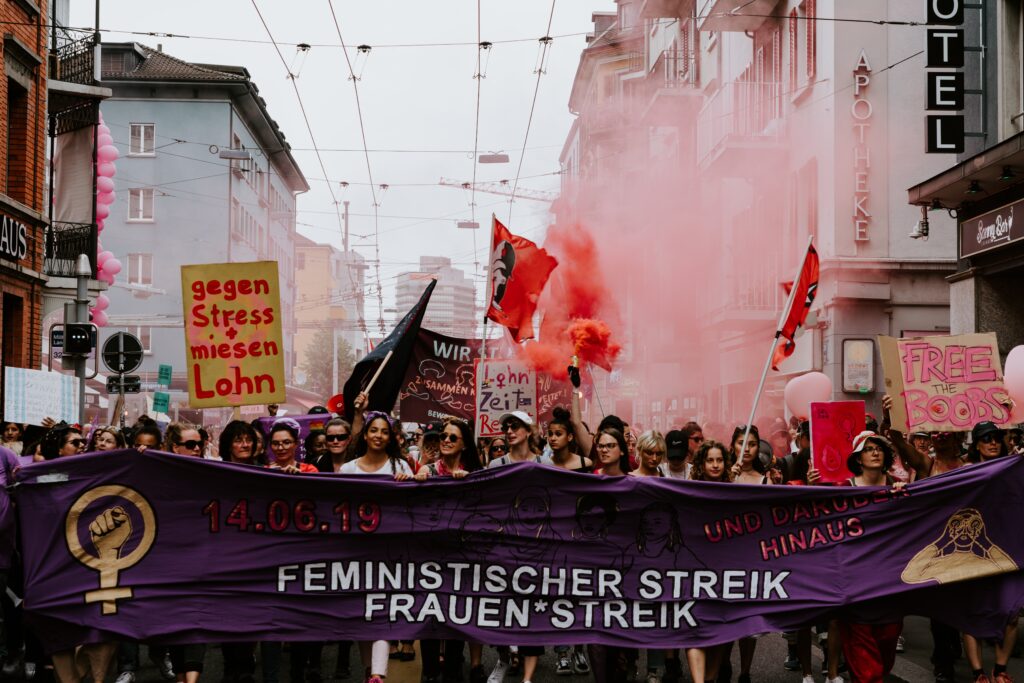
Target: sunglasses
x: 512, y: 426
x: 988, y: 438
x: 450, y: 437
x: 338, y: 437
x: 498, y: 449
x: 77, y: 443
x: 191, y: 444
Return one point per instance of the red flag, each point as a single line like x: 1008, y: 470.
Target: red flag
x: 806, y: 288
x: 519, y: 270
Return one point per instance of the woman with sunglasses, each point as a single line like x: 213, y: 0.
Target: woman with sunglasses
x: 105, y: 439
x: 458, y: 457
x: 496, y: 448
x: 61, y: 441
x: 516, y: 426
x: 183, y: 439
x: 337, y: 437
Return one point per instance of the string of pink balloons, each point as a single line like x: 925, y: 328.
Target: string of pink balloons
x: 107, y: 265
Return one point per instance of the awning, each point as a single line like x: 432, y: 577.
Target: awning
x: 995, y: 170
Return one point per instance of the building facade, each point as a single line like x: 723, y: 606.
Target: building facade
x: 329, y: 294
x: 205, y: 176
x: 750, y: 130
x: 452, y: 309
x: 984, y: 187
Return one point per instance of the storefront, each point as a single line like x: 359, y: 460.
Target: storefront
x: 986, y: 195
x: 21, y: 286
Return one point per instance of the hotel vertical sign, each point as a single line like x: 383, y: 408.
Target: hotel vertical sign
x: 945, y: 51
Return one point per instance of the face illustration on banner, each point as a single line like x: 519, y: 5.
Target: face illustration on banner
x: 963, y: 551
x: 503, y: 262
x: 430, y: 511
x: 117, y: 533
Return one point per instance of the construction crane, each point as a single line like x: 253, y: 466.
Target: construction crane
x: 502, y: 188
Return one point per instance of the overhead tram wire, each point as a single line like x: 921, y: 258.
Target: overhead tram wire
x: 312, y: 138
x: 545, y: 46
x: 369, y: 170
x: 476, y: 133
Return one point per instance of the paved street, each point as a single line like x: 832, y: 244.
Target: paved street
x: 912, y: 666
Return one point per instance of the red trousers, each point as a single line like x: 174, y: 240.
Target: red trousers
x: 870, y: 649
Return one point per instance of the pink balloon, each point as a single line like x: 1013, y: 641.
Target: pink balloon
x: 107, y: 153
x: 102, y: 129
x: 801, y: 391
x: 104, y: 139
x: 104, y: 184
x: 103, y: 257
x: 102, y: 302
x: 105, y: 198
x: 112, y: 266
x: 102, y: 211
x: 1013, y: 377
x: 104, y: 276
x: 99, y: 318
x: 100, y: 224
x: 106, y: 170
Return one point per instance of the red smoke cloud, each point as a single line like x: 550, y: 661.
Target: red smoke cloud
x: 575, y: 307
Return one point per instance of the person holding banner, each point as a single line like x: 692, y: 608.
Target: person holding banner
x: 987, y: 443
x: 105, y: 439
x: 377, y: 448
x: 612, y: 453
x: 237, y: 443
x: 61, y: 441
x: 562, y: 442
x: 516, y: 426
x: 284, y: 442
x: 748, y: 467
x: 183, y: 439
x: 338, y: 436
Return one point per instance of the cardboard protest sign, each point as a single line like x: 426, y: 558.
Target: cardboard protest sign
x: 944, y: 383
x: 31, y: 395
x: 550, y: 394
x: 503, y: 386
x: 233, y: 347
x: 834, y: 424
x: 439, y: 380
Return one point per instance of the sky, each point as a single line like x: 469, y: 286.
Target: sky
x: 413, y: 97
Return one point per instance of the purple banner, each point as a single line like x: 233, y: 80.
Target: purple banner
x: 439, y: 380
x: 158, y: 546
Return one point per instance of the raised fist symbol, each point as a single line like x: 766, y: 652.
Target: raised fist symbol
x: 110, y: 531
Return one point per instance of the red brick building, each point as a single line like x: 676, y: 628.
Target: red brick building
x: 23, y: 141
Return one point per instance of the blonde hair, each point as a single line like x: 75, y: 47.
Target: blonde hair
x: 651, y: 440
x: 173, y: 434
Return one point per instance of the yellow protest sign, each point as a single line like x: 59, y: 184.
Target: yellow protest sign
x: 233, y: 347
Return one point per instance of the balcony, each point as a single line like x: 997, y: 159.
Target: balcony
x: 73, y: 61
x: 731, y: 15
x: 604, y: 119
x: 64, y: 242
x: 755, y: 300
x: 743, y: 118
x: 672, y: 93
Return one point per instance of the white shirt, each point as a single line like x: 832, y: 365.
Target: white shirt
x: 352, y: 468
x: 666, y: 472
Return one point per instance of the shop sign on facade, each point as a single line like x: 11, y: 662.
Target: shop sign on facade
x: 992, y: 230
x: 13, y: 239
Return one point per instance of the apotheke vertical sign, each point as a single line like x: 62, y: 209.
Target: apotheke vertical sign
x: 945, y: 50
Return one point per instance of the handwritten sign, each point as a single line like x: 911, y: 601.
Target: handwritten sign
x: 161, y: 402
x: 164, y: 374
x: 503, y: 386
x: 833, y: 426
x: 233, y: 348
x: 31, y: 395
x: 551, y: 393
x: 944, y: 383
x: 439, y: 380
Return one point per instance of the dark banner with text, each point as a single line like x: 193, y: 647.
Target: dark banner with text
x: 439, y: 381
x: 155, y: 546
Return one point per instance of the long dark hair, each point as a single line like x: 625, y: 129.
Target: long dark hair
x: 470, y: 457
x: 623, y: 447
x: 698, y: 473
x: 392, y: 448
x: 234, y: 429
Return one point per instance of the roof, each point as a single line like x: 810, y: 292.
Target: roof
x: 160, y: 66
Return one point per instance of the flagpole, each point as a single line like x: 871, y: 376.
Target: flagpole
x: 775, y: 342
x: 489, y: 294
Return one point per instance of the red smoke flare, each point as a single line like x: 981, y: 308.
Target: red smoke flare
x: 575, y: 306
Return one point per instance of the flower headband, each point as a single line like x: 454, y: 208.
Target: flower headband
x: 371, y: 415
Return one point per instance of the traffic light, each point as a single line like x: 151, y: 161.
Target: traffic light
x: 78, y: 339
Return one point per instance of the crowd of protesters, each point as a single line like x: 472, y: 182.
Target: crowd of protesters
x: 376, y: 443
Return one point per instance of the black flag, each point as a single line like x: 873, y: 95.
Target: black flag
x: 400, y: 342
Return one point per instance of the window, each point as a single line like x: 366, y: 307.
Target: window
x: 140, y: 269
x: 145, y: 335
x: 803, y: 47
x: 18, y: 172
x: 140, y: 204
x: 811, y: 33
x: 142, y: 143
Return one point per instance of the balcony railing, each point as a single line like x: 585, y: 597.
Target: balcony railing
x: 64, y: 242
x: 74, y: 57
x: 740, y: 110
x: 673, y: 69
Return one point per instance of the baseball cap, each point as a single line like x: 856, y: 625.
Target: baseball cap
x: 433, y: 429
x: 983, y: 429
x: 676, y: 445
x: 517, y: 414
x: 861, y: 440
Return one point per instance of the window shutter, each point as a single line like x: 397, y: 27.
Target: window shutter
x: 793, y: 66
x: 812, y: 31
